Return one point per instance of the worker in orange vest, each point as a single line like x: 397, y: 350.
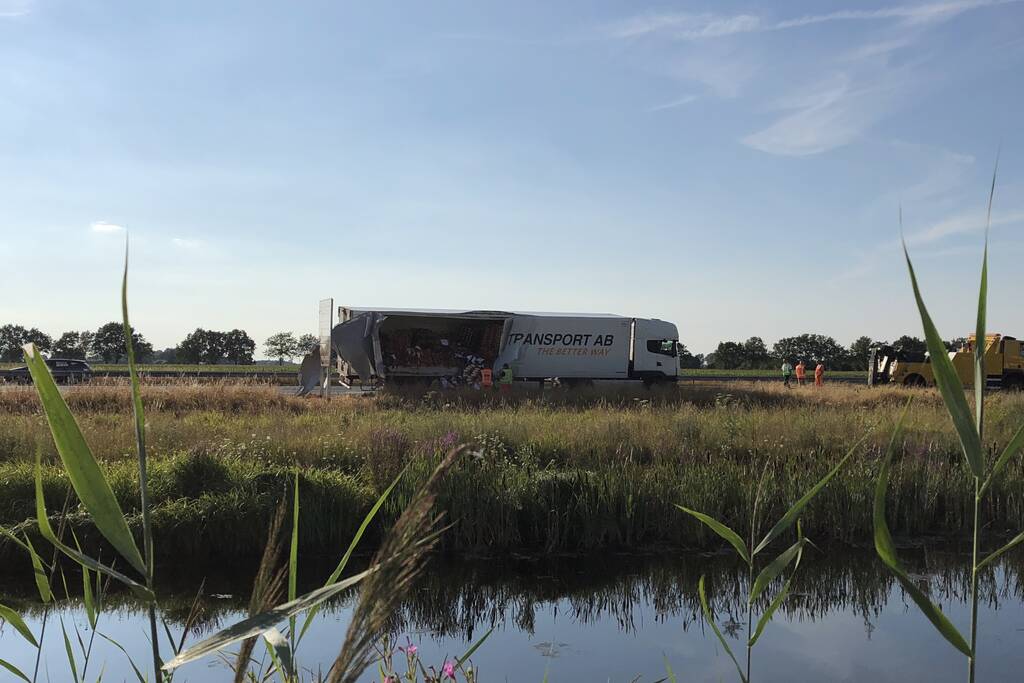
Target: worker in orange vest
x: 819, y: 374
x: 801, y: 373
x: 486, y: 378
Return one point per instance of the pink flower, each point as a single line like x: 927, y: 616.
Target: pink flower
x: 412, y: 649
x: 448, y: 670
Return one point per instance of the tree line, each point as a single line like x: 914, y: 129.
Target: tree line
x: 106, y: 344
x: 754, y: 354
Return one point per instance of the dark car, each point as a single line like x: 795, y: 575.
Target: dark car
x: 70, y: 371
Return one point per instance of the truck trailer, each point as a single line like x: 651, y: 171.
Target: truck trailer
x: 377, y: 345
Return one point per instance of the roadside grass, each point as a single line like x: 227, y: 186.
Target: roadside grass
x: 546, y: 473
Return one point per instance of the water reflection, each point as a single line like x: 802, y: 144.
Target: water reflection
x: 605, y: 614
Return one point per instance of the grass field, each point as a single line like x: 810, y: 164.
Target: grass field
x: 709, y: 372
x: 559, y: 471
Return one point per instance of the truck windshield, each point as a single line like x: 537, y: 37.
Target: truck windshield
x: 666, y: 347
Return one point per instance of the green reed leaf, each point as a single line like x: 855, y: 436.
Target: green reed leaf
x: 469, y: 653
x: 85, y: 474
x: 994, y: 556
x: 336, y: 574
x: 14, y: 670
x: 1012, y: 448
x: 776, y: 602
x: 980, y: 375
x: 42, y: 580
x: 15, y: 620
x: 140, y: 423
x: 69, y: 651
x: 948, y: 382
x: 722, y: 530
x: 262, y: 622
x: 671, y: 675
x: 293, y: 557
x: 46, y: 531
x: 774, y: 568
x: 138, y: 673
x: 714, y: 627
x: 886, y: 549
x: 793, y: 513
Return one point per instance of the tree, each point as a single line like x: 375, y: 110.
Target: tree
x: 755, y: 354
x: 13, y: 337
x: 108, y: 344
x: 69, y: 345
x: 860, y: 353
x: 810, y: 347
x: 193, y: 347
x: 956, y: 343
x: 911, y: 347
x: 728, y: 356
x: 239, y: 347
x: 281, y: 345
x: 168, y: 355
x: 307, y: 343
x: 686, y: 359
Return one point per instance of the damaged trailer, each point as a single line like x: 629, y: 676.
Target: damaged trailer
x: 452, y: 348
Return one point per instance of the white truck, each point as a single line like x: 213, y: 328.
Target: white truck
x: 449, y: 347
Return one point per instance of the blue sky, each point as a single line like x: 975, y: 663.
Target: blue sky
x: 736, y: 168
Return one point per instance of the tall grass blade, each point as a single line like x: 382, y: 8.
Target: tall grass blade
x: 994, y: 556
x: 46, y: 531
x: 668, y: 670
x: 886, y: 549
x: 258, y: 624
x: 87, y: 597
x: 138, y: 674
x: 773, y: 569
x: 336, y: 574
x: 14, y: 670
x: 1012, y: 448
x: 83, y: 471
x: 140, y: 422
x: 15, y: 620
x: 42, y: 580
x: 948, y: 382
x: 714, y: 627
x: 776, y: 602
x: 722, y: 530
x: 281, y: 652
x: 793, y: 513
x: 70, y: 653
x: 293, y: 559
x: 469, y: 653
x: 980, y: 375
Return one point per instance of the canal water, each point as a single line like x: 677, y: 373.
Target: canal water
x: 596, y: 618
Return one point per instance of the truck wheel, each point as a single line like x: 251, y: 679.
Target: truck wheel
x: 914, y: 380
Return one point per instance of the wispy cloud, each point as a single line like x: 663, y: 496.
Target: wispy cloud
x: 705, y: 25
x: 681, y: 102
x: 830, y: 114
x: 960, y: 224
x: 185, y: 243
x: 104, y: 226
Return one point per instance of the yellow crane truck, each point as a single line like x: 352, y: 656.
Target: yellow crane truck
x: 1004, y: 364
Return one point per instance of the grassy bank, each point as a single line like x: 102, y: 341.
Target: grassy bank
x: 560, y: 471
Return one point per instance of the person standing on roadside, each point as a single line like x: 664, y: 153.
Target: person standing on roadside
x: 787, y: 372
x: 819, y: 374
x: 505, y: 379
x: 801, y: 373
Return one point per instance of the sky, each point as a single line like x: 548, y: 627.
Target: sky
x: 737, y: 168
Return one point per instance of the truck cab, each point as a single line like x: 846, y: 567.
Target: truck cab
x: 655, y: 352
x: 1004, y: 364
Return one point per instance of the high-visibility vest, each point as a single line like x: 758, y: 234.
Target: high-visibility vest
x: 486, y: 377
x: 800, y: 370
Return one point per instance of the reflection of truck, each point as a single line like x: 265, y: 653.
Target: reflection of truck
x: 453, y: 347
x: 1004, y: 364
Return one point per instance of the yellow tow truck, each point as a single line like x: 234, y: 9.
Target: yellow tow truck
x: 1004, y: 364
